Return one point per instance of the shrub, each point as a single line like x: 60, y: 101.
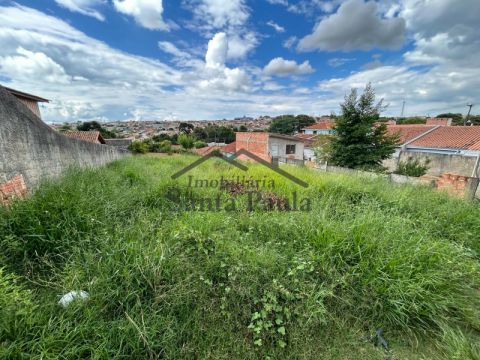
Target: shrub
x: 200, y: 144
x: 412, y: 167
x: 187, y: 141
x: 139, y: 147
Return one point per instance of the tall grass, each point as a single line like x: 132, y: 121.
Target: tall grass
x: 168, y: 283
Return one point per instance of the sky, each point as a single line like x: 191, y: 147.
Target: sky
x: 124, y: 60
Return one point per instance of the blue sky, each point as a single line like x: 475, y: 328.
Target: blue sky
x: 213, y: 59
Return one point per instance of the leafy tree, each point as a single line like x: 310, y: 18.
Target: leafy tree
x: 289, y: 124
x: 185, y: 128
x: 303, y: 121
x: 457, y: 118
x: 65, y: 127
x: 200, y: 133
x: 411, y: 120
x: 95, y: 126
x: 242, y: 128
x: 284, y: 124
x: 187, y: 141
x: 360, y: 143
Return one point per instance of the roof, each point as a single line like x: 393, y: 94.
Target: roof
x: 451, y: 137
x: 308, y: 139
x: 206, y: 150
x: 25, y: 95
x: 118, y: 142
x: 320, y: 125
x: 90, y: 136
x: 285, y: 137
x: 408, y: 132
x: 230, y: 148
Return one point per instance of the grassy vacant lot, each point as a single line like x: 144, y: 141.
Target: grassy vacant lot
x: 166, y: 283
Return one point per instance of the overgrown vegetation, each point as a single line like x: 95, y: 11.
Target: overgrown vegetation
x: 96, y: 126
x: 412, y: 167
x: 169, y: 284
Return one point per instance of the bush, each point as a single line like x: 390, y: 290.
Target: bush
x: 139, y: 147
x: 187, y: 141
x: 200, y: 144
x: 412, y: 167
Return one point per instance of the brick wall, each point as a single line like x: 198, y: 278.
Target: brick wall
x: 254, y: 142
x: 14, y: 188
x: 458, y: 185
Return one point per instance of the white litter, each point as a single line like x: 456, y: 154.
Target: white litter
x: 72, y: 295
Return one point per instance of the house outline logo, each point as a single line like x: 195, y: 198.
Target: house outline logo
x: 231, y: 160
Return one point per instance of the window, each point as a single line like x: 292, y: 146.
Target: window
x: 290, y: 149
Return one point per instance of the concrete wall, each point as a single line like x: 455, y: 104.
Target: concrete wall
x: 443, y: 163
x: 30, y: 148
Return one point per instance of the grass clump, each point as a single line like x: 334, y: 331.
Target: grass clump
x: 169, y: 283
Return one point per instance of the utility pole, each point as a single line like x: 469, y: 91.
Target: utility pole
x: 403, y: 109
x: 468, y: 114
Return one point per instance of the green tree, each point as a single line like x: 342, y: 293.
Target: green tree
x: 283, y: 124
x: 187, y: 141
x: 360, y: 142
x: 185, y: 128
x: 242, y: 128
x: 457, y: 118
x: 411, y: 120
x: 302, y: 121
x: 95, y: 126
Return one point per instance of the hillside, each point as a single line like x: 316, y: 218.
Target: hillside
x: 166, y: 280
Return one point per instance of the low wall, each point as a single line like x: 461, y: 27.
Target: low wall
x: 31, y: 149
x: 443, y: 163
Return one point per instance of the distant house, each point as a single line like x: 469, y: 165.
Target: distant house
x: 120, y: 143
x: 90, y: 136
x: 270, y: 146
x: 323, y: 127
x: 29, y: 100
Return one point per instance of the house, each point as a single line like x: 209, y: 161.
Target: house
x: 323, y: 127
x: 90, y: 136
x: 309, y: 141
x: 447, y: 149
x: 229, y: 149
x: 270, y: 146
x: 29, y: 100
x: 119, y: 143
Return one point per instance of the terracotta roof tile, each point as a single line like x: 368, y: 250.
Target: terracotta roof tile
x: 321, y: 125
x: 408, y: 132
x: 90, y: 136
x: 451, y: 137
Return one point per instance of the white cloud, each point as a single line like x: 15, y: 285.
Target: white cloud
x: 239, y: 46
x: 26, y: 64
x: 220, y: 14
x: 356, y: 25
x: 147, y: 13
x: 217, y: 51
x: 336, y: 62
x: 290, y: 42
x: 85, y: 7
x: 278, y: 2
x: 282, y: 67
x: 277, y: 27
x: 172, y: 49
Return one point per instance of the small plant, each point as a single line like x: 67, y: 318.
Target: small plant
x: 412, y: 167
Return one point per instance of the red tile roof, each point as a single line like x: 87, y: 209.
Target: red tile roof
x: 408, y: 132
x: 321, y: 125
x: 90, y: 136
x: 230, y: 148
x: 206, y: 150
x: 451, y: 137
